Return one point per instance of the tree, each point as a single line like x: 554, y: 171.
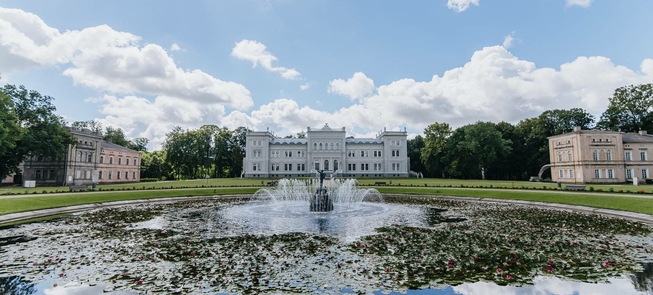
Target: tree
x: 476, y: 148
x: 535, y: 148
x: 139, y: 144
x: 301, y: 134
x: 415, y: 147
x: 43, y: 132
x: 116, y: 135
x: 629, y: 109
x: 91, y: 125
x: 10, y: 136
x: 435, y: 142
x: 563, y: 121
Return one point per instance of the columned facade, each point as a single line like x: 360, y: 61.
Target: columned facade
x: 327, y: 149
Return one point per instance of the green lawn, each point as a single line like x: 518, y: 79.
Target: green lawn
x: 12, y: 205
x: 238, y: 182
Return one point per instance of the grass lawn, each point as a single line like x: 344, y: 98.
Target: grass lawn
x: 632, y: 204
x: 12, y: 205
x: 252, y: 182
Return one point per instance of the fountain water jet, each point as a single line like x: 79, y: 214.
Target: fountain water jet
x: 319, y: 195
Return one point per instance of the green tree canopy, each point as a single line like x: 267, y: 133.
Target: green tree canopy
x: 42, y: 133
x: 629, y: 109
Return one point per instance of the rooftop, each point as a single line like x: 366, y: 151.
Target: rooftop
x: 109, y: 145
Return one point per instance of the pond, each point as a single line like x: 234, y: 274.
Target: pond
x: 405, y: 244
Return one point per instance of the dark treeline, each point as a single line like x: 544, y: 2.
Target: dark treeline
x: 516, y: 152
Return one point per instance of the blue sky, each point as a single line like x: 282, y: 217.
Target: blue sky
x: 113, y: 61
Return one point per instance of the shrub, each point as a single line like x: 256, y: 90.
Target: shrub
x: 150, y: 179
x: 591, y: 188
x: 611, y: 190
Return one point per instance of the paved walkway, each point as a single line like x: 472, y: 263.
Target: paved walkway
x: 72, y: 209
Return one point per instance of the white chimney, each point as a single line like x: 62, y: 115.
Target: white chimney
x: 642, y: 132
x: 577, y: 128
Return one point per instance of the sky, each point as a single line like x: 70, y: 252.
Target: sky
x: 146, y: 66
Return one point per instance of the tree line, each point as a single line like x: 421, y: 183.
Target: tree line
x: 506, y: 151
x: 30, y: 127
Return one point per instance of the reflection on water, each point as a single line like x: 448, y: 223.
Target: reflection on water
x: 542, y: 286
x: 16, y: 286
x: 643, y: 281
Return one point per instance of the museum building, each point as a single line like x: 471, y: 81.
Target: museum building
x: 329, y: 149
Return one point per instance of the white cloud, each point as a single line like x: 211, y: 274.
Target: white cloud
x: 493, y: 85
x: 257, y: 53
x: 581, y: 3
x: 304, y: 86
x: 175, y: 47
x: 507, y: 41
x: 461, y: 5
x: 551, y: 285
x: 355, y: 87
x: 115, y: 63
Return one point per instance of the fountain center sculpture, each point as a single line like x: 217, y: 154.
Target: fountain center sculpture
x: 321, y: 202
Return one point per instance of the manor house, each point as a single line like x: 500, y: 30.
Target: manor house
x: 595, y: 156
x: 326, y: 149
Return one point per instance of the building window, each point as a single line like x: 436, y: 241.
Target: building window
x: 126, y: 174
x: 610, y: 173
x: 335, y: 165
x: 119, y: 163
x: 608, y: 156
x: 110, y: 174
x: 561, y: 174
x: 79, y: 157
x: 644, y: 173
x: 571, y: 173
x: 326, y: 164
x: 38, y: 174
x: 629, y: 173
x: 52, y: 174
x: 135, y: 162
x: 317, y: 165
x: 99, y: 175
x: 559, y: 157
x: 101, y: 159
x: 642, y: 155
x: 596, y: 155
x: 569, y: 156
x: 110, y: 160
x: 127, y: 162
x: 118, y: 175
x: 597, y: 173
x: 629, y: 156
x: 89, y: 157
x: 320, y: 146
x: 134, y: 175
x: 314, y: 146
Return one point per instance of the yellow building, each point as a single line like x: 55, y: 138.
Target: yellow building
x: 594, y: 156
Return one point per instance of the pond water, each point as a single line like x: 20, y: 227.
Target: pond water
x: 407, y: 245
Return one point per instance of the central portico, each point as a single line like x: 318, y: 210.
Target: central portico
x: 326, y: 149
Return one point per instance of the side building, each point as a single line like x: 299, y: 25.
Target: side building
x: 596, y: 156
x: 91, y: 160
x: 327, y: 149
x: 118, y: 164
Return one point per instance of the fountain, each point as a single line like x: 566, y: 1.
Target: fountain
x: 318, y: 195
x: 321, y: 201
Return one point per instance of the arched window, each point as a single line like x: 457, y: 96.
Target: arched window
x: 335, y: 165
x: 332, y: 145
x: 596, y: 155
x: 326, y: 164
x: 608, y: 155
x: 559, y: 157
x: 569, y: 156
x: 337, y: 146
x: 315, y: 146
x: 320, y: 146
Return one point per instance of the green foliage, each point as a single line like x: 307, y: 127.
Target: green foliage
x: 33, y: 129
x: 629, y: 109
x: 149, y: 179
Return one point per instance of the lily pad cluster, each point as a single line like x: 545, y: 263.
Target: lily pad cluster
x: 458, y: 242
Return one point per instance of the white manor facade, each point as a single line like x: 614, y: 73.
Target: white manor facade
x: 326, y: 149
